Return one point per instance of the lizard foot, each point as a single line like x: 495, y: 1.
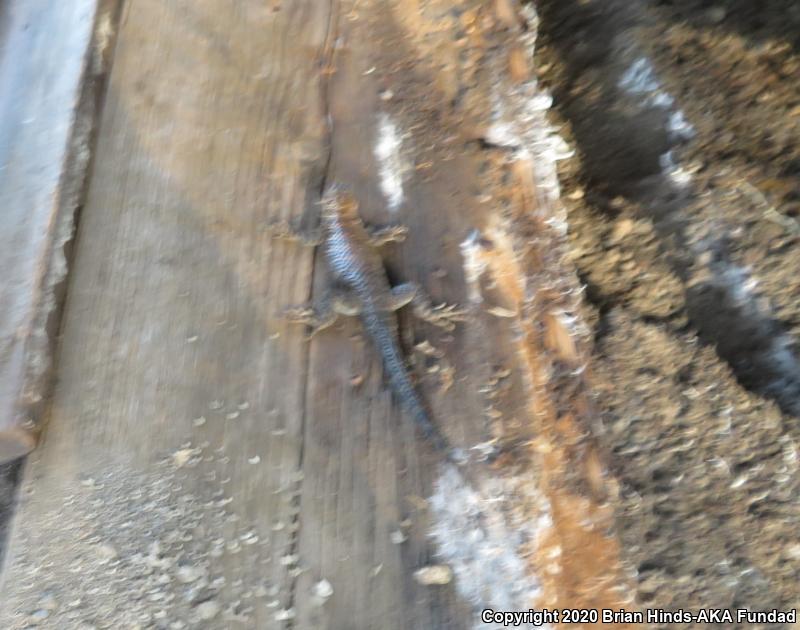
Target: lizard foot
x: 445, y: 316
x: 315, y: 319
x: 389, y: 234
x: 286, y: 231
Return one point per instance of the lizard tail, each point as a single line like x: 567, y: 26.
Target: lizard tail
x: 406, y: 393
x: 429, y: 430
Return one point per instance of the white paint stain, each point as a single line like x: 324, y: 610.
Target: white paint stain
x: 474, y: 265
x: 640, y: 80
x: 392, y: 168
x: 778, y: 354
x: 501, y: 134
x: 678, y: 175
x: 679, y: 127
x: 480, y: 539
x: 519, y: 122
x: 525, y: 129
x: 740, y: 283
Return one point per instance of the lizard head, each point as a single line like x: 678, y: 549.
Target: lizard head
x: 338, y: 202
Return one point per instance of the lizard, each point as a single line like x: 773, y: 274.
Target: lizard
x: 360, y: 287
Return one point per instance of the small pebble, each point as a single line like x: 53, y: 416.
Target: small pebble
x: 622, y: 229
x: 285, y: 614
x: 289, y: 560
x: 208, y: 610
x: 106, y: 552
x: 187, y: 574
x: 40, y: 615
x: 323, y: 589
x: 181, y: 457
x: 356, y: 380
x: 48, y: 602
x: 434, y: 575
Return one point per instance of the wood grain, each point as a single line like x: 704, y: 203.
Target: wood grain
x: 213, y: 126
x: 211, y: 121
x: 204, y: 464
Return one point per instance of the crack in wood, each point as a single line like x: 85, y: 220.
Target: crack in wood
x: 325, y: 68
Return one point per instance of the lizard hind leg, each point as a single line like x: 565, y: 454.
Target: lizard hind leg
x: 317, y: 318
x: 345, y: 303
x: 324, y: 314
x: 402, y: 295
x: 283, y: 230
x: 444, y: 315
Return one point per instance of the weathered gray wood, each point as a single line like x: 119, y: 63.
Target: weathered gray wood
x: 203, y: 463
x: 213, y: 126
x: 49, y: 62
x: 413, y: 85
x: 364, y: 463
x: 212, y: 113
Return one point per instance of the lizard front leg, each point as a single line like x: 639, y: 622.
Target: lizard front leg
x: 443, y: 315
x: 286, y: 231
x: 325, y: 313
x: 389, y: 234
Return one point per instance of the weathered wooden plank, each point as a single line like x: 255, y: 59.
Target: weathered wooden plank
x: 211, y: 121
x: 205, y: 464
x: 363, y: 528
x: 50, y: 65
x: 438, y: 125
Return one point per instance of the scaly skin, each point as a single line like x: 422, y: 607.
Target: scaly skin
x: 360, y: 287
x: 356, y: 266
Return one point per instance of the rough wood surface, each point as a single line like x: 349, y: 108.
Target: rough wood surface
x: 50, y: 63
x: 203, y: 463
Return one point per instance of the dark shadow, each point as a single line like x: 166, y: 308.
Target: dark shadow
x: 622, y: 140
x: 757, y: 21
x: 10, y: 475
